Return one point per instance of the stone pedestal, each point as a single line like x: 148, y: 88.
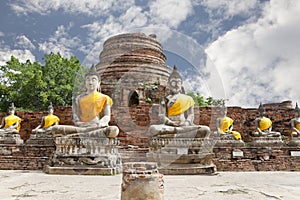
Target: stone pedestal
x: 295, y: 142
x: 41, y: 139
x: 10, y: 139
x: 182, y: 156
x: 85, y: 155
x: 228, y: 140
x: 266, y: 142
x: 141, y: 180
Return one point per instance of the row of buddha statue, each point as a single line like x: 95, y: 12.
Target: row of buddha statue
x: 92, y: 114
x: 263, y: 124
x: 11, y: 124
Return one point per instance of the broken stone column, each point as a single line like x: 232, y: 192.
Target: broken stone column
x: 141, y: 180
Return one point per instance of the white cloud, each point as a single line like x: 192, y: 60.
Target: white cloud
x: 97, y: 33
x: 116, y: 17
x: 1, y: 34
x: 92, y: 56
x: 22, y: 55
x: 88, y: 7
x: 229, y: 7
x: 223, y: 15
x: 23, y: 42
x: 98, y: 30
x: 133, y: 17
x: 40, y: 6
x: 170, y: 12
x: 60, y: 42
x: 260, y: 61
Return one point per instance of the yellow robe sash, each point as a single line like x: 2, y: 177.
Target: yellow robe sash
x: 298, y: 127
x: 49, y: 120
x: 225, y: 123
x: 265, y: 123
x: 183, y: 103
x: 92, y: 104
x: 11, y: 120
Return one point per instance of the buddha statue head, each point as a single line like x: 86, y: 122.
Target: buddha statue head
x: 50, y: 109
x: 11, y: 109
x: 223, y: 110
x: 175, y: 81
x: 261, y: 110
x: 297, y: 111
x: 92, y: 80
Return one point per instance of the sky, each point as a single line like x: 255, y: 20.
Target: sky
x: 244, y: 51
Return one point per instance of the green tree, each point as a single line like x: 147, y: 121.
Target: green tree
x: 199, y: 99
x: 202, y: 101
x: 32, y: 86
x: 215, y: 102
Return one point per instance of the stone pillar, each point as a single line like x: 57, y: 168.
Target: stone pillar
x: 141, y: 180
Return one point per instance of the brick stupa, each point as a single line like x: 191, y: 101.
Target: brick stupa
x: 129, y: 60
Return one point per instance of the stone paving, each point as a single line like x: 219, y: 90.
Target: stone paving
x: 36, y: 185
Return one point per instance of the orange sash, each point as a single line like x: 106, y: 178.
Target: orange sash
x: 92, y: 104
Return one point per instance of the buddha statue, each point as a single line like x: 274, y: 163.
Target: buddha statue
x: 225, y: 125
x: 176, y: 113
x: 295, y: 122
x: 91, y: 112
x: 47, y: 122
x: 264, y: 125
x: 11, y: 124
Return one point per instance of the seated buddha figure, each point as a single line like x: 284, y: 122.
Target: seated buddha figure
x: 47, y: 122
x: 264, y: 125
x: 91, y: 112
x: 11, y: 124
x: 176, y: 113
x: 295, y: 122
x: 225, y: 125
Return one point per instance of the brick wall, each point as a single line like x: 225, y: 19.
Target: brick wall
x: 24, y: 157
x: 31, y: 120
x: 257, y: 159
x: 133, y: 123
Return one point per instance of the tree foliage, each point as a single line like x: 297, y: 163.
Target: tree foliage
x: 32, y: 86
x: 202, y: 101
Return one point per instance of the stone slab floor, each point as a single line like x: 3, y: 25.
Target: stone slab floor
x: 29, y: 185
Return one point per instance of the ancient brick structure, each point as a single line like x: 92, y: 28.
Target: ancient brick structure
x: 141, y: 180
x: 256, y: 159
x: 31, y: 120
x: 24, y: 157
x: 134, y: 121
x: 31, y: 155
x: 128, y: 62
x: 133, y: 72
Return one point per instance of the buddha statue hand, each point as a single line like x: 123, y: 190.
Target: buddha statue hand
x: 161, y: 118
x: 260, y: 133
x: 171, y: 123
x: 186, y: 123
x: 104, y: 121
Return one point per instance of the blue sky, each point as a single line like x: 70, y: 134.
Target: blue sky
x: 246, y: 51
